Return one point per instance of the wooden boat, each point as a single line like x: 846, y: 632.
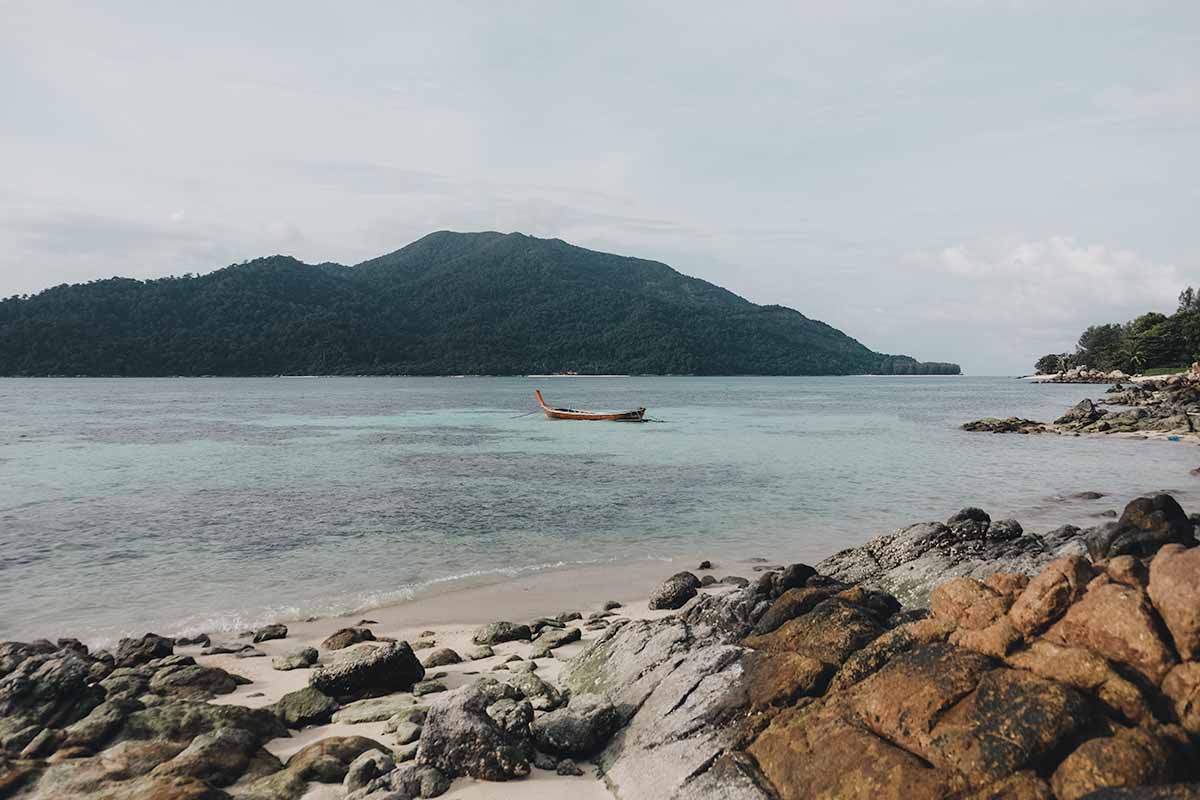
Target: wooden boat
x: 571, y: 413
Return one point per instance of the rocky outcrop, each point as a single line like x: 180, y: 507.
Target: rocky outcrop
x: 911, y: 561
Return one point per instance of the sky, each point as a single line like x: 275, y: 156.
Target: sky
x: 962, y: 181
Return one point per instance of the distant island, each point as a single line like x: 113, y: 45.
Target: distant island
x: 447, y: 304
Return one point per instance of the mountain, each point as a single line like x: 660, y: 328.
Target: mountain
x: 449, y: 303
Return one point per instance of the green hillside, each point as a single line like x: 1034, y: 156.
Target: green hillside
x: 450, y: 303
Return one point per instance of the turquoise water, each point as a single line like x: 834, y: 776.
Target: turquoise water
x: 186, y: 504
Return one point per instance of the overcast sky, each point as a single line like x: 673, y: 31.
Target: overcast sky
x: 968, y: 181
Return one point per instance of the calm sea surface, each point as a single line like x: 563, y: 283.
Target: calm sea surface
x: 208, y: 504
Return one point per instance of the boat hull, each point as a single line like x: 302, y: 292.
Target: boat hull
x: 636, y: 415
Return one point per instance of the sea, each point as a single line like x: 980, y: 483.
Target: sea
x: 215, y: 504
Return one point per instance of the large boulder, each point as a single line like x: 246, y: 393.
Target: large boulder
x: 579, y: 730
x: 500, y: 632
x: 1050, y: 594
x: 675, y: 591
x: 461, y: 737
x: 183, y: 720
x: 1147, y: 524
x: 307, y: 706
x: 1174, y: 588
x: 132, y: 652
x: 390, y: 667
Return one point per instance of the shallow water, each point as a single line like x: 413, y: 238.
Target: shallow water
x: 208, y: 504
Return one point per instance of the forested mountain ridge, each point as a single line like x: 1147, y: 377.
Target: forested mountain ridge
x: 449, y: 303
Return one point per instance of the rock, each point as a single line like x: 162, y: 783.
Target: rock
x: 1010, y: 425
x: 830, y: 632
x: 1082, y: 413
x: 541, y: 695
x: 225, y: 649
x: 1147, y: 524
x: 789, y: 605
x: 609, y: 605
x: 1130, y: 758
x: 523, y: 666
x: 297, y: 659
x: 269, y: 632
x: 391, y: 667
x: 374, y: 709
x: 967, y: 602
x: 365, y: 768
x: 675, y: 591
x: 347, y: 636
x: 218, y: 758
x: 558, y: 637
x: 183, y: 720
x: 969, y: 514
x: 1050, y: 594
x: 579, y: 730
x: 132, y: 652
x: 328, y: 760
x: 500, y: 632
x: 708, y: 580
x: 201, y: 640
x: 1085, y: 671
x: 249, y: 652
x: 479, y: 652
x: 1117, y: 622
x: 440, y: 658
x: 779, y: 679
x: 422, y: 688
x: 1182, y: 688
x: 735, y: 580
x: 460, y: 738
x: 98, y: 727
x: 705, y: 564
x: 1174, y: 588
x: 569, y: 616
x: 193, y: 681
x: 306, y: 706
x: 568, y: 767
x: 407, y: 732
x: 414, y: 714
x: 405, y: 782
x: 424, y: 644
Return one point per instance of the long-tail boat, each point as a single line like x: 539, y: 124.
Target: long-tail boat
x: 571, y: 413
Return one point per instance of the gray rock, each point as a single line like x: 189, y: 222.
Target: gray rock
x: 523, y: 666
x: 373, y: 709
x: 1146, y: 524
x: 407, y: 732
x: 460, y: 738
x: 500, y: 632
x: 391, y: 667
x: 366, y: 768
x: 570, y: 616
x: 540, y: 694
x: 735, y: 580
x: 302, y: 707
x: 427, y: 687
x: 442, y: 657
x: 609, y: 605
x: 579, y: 730
x: 478, y: 652
x: 675, y: 591
x: 297, y: 659
x: 405, y: 782
x: 568, y: 767
x: 557, y: 637
x: 708, y: 580
x: 131, y: 652
x: 269, y: 632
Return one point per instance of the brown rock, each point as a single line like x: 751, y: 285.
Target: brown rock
x: 789, y: 605
x: 996, y: 640
x: 830, y: 632
x: 1007, y: 584
x: 968, y: 603
x: 346, y: 637
x: 904, y: 700
x: 1085, y: 671
x: 816, y: 754
x: 1175, y: 591
x: 1127, y: 570
x: 1182, y: 687
x: 327, y: 760
x: 1117, y: 622
x: 899, y: 640
x: 1013, y: 720
x: 1131, y: 758
x: 1050, y: 594
x: 778, y: 679
x: 1023, y: 785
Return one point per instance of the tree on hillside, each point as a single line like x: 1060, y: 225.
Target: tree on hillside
x: 1052, y: 363
x: 1100, y: 347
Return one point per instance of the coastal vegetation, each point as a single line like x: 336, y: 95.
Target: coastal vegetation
x: 1153, y: 343
x: 450, y: 303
